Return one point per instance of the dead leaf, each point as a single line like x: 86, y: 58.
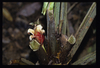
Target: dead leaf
x: 58, y: 55
x: 7, y: 14
x: 37, y: 63
x: 50, y: 62
x: 56, y: 64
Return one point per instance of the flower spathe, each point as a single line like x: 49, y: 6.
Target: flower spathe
x: 37, y: 34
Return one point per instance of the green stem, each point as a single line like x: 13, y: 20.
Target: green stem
x: 56, y: 14
x: 65, y: 23
x: 61, y: 17
x: 51, y: 31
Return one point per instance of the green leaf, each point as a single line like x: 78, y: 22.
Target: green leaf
x: 65, y: 25
x: 86, y: 59
x: 72, y: 39
x: 83, y: 28
x: 45, y: 5
x: 51, y: 5
x: 34, y: 45
x: 56, y: 14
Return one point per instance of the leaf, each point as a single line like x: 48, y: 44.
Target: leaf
x: 20, y: 61
x: 12, y: 62
x: 44, y: 8
x: 34, y: 45
x: 56, y: 64
x: 37, y: 63
x: 86, y: 59
x: 56, y: 14
x: 58, y: 55
x: 7, y: 14
x: 47, y: 6
x: 51, y: 5
x: 83, y: 28
x: 72, y: 39
x: 29, y: 9
x: 65, y: 23
x: 27, y: 61
x: 61, y: 16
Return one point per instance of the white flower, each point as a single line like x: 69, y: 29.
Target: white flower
x: 31, y: 31
x: 38, y: 28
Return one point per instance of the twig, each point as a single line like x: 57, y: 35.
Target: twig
x: 83, y: 28
x: 86, y: 59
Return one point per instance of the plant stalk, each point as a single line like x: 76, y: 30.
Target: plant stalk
x: 56, y: 15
